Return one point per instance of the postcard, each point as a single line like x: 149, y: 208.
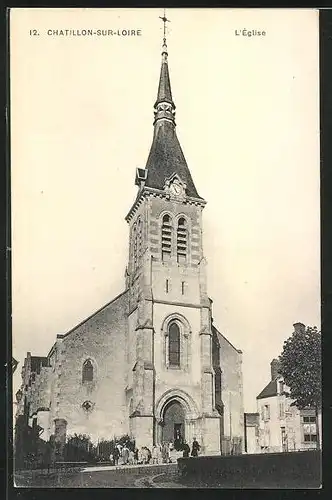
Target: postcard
x: 165, y: 225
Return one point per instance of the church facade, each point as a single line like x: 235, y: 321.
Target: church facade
x: 150, y: 363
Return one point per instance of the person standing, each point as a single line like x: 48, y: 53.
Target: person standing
x: 195, y: 448
x: 154, y: 454
x: 159, y: 455
x: 116, y: 455
x: 125, y: 454
x: 131, y: 457
x: 186, y: 449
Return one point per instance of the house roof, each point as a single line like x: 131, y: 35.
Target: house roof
x: 270, y: 390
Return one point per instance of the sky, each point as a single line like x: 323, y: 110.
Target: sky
x: 248, y: 122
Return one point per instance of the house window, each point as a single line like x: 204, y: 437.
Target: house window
x: 181, y: 240
x: 182, y: 287
x: 281, y: 410
x: 87, y: 372
x: 174, y: 345
x: 281, y: 386
x: 284, y: 439
x: 167, y: 286
x: 309, y: 420
x: 309, y: 429
x: 266, y: 412
x: 166, y: 238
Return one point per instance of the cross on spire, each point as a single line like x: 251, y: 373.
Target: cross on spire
x: 164, y: 20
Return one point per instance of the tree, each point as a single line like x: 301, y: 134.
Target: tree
x: 300, y: 365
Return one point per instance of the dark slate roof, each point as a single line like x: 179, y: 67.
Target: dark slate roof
x: 165, y: 158
x: 270, y: 390
x: 164, y: 89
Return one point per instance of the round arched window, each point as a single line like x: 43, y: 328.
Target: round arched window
x: 87, y: 372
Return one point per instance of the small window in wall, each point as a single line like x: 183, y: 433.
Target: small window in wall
x: 266, y: 412
x: 167, y: 286
x: 181, y: 241
x: 174, y: 345
x: 87, y: 372
x: 183, y: 287
x: 166, y: 238
x: 281, y: 410
x: 281, y: 386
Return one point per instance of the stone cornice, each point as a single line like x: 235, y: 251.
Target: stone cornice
x: 177, y: 303
x: 158, y: 193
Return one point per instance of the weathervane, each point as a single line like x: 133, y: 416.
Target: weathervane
x: 164, y: 20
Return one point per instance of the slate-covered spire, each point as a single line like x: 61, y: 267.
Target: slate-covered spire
x: 166, y: 157
x: 164, y: 89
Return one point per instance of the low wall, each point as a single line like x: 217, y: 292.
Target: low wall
x: 265, y: 470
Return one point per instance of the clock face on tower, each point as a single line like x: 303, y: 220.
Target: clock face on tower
x: 176, y: 189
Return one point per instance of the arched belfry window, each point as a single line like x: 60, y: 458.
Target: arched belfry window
x: 181, y: 240
x: 166, y: 238
x: 87, y: 372
x: 174, y: 344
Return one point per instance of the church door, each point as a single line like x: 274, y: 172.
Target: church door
x: 174, y: 423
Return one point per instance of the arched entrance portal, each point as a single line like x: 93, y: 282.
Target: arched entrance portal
x: 174, y: 423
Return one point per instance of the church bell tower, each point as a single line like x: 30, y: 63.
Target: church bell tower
x: 170, y: 385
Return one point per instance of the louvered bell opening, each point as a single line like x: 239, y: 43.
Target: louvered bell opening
x: 181, y: 241
x: 166, y: 238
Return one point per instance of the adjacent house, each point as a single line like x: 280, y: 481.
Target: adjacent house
x: 282, y: 426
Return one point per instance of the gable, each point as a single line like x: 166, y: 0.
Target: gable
x: 270, y: 390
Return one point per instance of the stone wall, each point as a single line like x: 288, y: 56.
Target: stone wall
x: 231, y: 390
x: 277, y: 470
x: 97, y: 408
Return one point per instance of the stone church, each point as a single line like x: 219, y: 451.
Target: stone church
x: 150, y: 363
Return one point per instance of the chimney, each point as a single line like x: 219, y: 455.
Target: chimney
x: 275, y: 365
x: 299, y: 328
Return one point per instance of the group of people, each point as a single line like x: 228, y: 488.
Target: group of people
x: 126, y: 456
x: 160, y: 454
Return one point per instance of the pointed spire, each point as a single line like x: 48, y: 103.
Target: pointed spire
x: 164, y: 88
x: 164, y: 105
x: 166, y: 157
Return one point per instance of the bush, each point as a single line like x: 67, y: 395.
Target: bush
x: 79, y: 448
